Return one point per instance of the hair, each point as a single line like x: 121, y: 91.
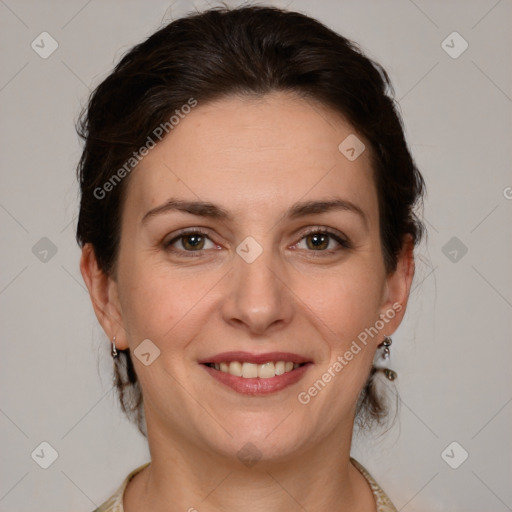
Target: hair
x: 244, y: 51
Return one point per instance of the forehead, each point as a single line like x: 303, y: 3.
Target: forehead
x: 253, y: 155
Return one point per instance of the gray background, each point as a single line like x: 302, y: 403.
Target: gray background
x: 453, y: 351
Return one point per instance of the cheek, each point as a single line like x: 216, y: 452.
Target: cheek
x: 159, y: 303
x: 346, y: 302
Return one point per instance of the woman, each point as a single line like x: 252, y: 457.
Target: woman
x: 247, y: 228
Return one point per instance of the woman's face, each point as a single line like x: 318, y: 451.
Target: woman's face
x: 255, y: 177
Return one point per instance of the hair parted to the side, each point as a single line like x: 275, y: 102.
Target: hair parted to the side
x: 243, y: 51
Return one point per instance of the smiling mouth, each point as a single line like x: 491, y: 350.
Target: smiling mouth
x: 251, y: 370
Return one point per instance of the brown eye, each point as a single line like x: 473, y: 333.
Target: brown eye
x: 317, y: 241
x: 323, y: 241
x: 189, y: 242
x: 192, y: 242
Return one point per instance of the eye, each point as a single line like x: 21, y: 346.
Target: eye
x: 321, y: 240
x: 190, y: 241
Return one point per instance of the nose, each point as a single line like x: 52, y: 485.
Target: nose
x: 259, y: 299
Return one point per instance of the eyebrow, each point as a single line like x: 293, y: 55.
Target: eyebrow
x: 212, y: 211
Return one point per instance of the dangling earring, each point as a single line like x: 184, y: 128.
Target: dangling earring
x: 382, y: 357
x: 114, y: 353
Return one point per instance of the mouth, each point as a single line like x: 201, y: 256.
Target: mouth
x: 251, y: 370
x: 256, y: 374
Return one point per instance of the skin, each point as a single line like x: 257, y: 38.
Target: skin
x: 255, y: 158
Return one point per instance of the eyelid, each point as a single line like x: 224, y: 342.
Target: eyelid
x: 339, y: 237
x: 342, y: 240
x: 184, y: 232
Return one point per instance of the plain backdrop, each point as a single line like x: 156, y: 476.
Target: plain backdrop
x: 453, y: 352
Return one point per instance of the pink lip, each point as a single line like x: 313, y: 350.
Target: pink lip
x: 247, y: 357
x: 257, y: 386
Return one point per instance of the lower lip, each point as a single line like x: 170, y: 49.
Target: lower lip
x: 257, y: 386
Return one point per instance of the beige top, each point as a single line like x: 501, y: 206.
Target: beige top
x: 115, y: 502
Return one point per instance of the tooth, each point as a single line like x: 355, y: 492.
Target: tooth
x: 266, y: 370
x: 235, y: 368
x: 249, y: 370
x: 279, y: 367
x: 224, y: 367
x: 295, y: 365
x: 288, y: 366
x: 216, y: 366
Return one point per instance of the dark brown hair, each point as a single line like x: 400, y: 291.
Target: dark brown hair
x: 244, y: 51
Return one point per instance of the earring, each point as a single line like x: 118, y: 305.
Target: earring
x: 382, y: 357
x: 114, y: 353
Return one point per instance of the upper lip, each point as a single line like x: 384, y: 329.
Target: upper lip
x: 247, y: 357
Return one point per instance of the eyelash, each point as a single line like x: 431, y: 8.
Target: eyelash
x: 344, y: 243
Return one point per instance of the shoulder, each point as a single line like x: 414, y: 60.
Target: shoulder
x: 115, y: 502
x: 382, y: 501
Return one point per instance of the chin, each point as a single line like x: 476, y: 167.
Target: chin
x: 260, y: 437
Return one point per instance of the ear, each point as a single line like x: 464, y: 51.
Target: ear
x: 398, y: 286
x: 104, y: 297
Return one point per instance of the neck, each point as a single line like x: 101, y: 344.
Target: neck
x: 183, y: 477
